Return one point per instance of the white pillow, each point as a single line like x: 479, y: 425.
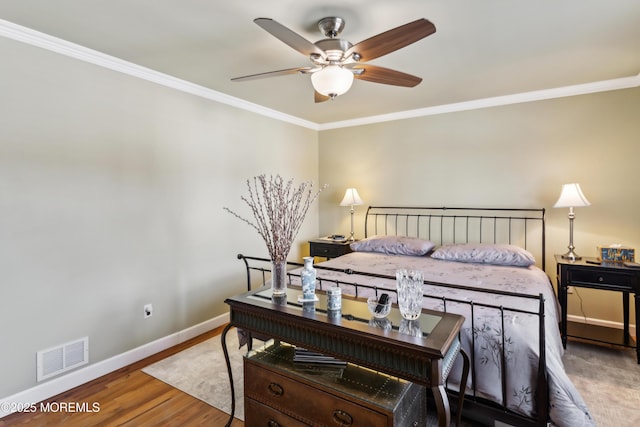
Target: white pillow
x: 394, y: 245
x: 485, y: 253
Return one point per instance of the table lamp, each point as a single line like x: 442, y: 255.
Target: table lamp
x: 571, y: 197
x: 351, y: 198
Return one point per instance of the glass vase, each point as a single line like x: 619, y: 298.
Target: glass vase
x: 278, y: 278
x: 410, y: 293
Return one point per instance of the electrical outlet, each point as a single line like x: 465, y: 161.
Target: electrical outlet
x: 569, y: 289
x: 148, y: 310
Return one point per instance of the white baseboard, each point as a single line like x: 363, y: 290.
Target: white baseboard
x: 600, y: 322
x: 81, y: 376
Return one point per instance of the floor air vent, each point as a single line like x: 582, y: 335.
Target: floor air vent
x: 62, y: 358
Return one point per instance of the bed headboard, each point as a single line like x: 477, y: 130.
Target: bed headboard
x: 521, y: 227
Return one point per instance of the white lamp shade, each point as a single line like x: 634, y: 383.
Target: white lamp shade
x: 332, y: 80
x: 571, y: 197
x: 351, y: 198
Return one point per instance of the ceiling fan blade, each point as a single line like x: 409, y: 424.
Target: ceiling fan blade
x: 392, y: 40
x: 289, y: 37
x: 318, y: 97
x: 387, y: 76
x: 297, y: 70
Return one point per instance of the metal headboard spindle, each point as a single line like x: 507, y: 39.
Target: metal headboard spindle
x: 449, y: 217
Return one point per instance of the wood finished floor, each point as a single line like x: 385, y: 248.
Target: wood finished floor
x: 129, y: 397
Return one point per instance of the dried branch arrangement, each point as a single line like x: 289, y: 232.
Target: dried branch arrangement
x: 278, y: 209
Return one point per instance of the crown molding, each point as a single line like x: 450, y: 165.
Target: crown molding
x: 63, y: 47
x: 518, y: 98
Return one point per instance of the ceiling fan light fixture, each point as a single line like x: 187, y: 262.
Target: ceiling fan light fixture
x: 335, y: 61
x: 332, y: 80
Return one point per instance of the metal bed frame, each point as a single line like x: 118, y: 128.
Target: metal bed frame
x: 444, y: 226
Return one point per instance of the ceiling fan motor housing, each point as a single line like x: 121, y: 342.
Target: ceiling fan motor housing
x: 334, y: 49
x: 331, y: 26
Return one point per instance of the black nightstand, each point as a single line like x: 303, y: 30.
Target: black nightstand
x: 606, y: 276
x: 328, y: 248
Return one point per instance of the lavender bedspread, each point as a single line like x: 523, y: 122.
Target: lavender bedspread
x: 521, y: 344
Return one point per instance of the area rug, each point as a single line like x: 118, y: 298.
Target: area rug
x: 201, y: 372
x: 607, y: 378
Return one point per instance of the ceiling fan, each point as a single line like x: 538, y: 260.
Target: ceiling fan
x: 336, y: 62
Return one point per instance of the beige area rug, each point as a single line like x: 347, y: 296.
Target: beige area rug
x: 607, y: 378
x: 202, y: 372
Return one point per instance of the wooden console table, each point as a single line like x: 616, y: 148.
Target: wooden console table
x: 353, y: 336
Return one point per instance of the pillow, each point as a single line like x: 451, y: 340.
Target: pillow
x: 485, y: 253
x: 394, y: 245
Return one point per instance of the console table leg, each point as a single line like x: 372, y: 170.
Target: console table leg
x: 442, y: 405
x: 463, y: 386
x: 223, y: 340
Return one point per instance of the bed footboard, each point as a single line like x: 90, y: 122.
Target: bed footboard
x: 258, y: 271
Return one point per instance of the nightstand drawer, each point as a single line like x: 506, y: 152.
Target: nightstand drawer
x: 599, y: 278
x: 328, y: 249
